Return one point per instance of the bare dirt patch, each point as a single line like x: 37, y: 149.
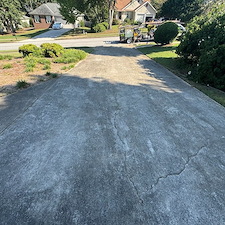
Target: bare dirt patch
x: 10, y: 76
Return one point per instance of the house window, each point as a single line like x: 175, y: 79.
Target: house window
x: 48, y: 19
x: 37, y: 19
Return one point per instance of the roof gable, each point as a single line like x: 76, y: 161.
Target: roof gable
x: 49, y: 9
x: 132, y: 5
x: 145, y: 4
x: 120, y: 4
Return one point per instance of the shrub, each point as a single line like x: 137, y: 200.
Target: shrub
x: 30, y: 63
x: 166, y: 33
x: 99, y: 28
x: 9, y: 57
x: 46, y: 67
x: 203, y: 46
x: 115, y: 22
x: 22, y: 84
x: 29, y: 49
x: 52, y: 50
x: 53, y: 75
x: 105, y: 24
x: 71, y: 56
x: 82, y: 23
x: 25, y: 24
x: 7, y: 66
x: 64, y: 68
x: 43, y: 61
x: 211, y: 68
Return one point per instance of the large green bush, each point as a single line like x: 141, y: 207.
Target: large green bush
x: 28, y: 49
x: 71, y: 56
x: 166, y: 33
x: 99, y: 28
x: 203, y: 46
x: 52, y: 50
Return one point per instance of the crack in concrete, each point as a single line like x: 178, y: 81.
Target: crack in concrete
x: 190, y: 157
x: 123, y: 142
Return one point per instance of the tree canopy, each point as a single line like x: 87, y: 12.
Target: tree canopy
x: 10, y: 14
x: 182, y: 9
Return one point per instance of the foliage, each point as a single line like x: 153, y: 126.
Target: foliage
x: 203, y: 46
x: 9, y: 57
x: 99, y: 28
x: 29, y: 5
x: 116, y: 22
x: 21, y: 84
x: 71, y: 56
x: 7, y: 66
x: 28, y: 49
x: 71, y: 9
x: 30, y: 63
x: 96, y: 11
x: 51, y: 50
x: 105, y: 24
x: 10, y: 14
x: 82, y: 23
x: 181, y: 9
x: 166, y: 33
x: 157, y: 3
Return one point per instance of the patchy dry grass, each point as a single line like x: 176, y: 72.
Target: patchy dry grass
x: 25, y: 70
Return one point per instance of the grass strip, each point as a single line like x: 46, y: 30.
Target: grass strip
x: 167, y: 57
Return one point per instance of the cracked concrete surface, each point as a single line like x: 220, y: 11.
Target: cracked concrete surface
x: 118, y: 140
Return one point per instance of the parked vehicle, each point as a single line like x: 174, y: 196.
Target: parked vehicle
x: 57, y: 26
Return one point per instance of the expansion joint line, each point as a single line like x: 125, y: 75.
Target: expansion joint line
x: 190, y: 157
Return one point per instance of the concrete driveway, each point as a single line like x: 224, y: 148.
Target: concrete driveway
x: 52, y: 33
x: 119, y: 140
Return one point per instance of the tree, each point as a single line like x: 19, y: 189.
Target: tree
x: 29, y: 5
x: 70, y: 9
x: 95, y: 10
x: 10, y: 14
x: 158, y: 3
x: 111, y: 10
x: 182, y: 9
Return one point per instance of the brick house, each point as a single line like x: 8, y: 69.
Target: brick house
x: 46, y: 14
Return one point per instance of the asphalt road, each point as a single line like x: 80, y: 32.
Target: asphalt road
x: 119, y: 140
x: 83, y: 42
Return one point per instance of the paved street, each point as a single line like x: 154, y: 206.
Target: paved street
x: 85, y: 42
x: 119, y: 140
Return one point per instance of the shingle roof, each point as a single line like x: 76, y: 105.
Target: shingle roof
x: 48, y: 9
x: 120, y: 4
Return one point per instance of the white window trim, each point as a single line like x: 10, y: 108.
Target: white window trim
x: 48, y: 19
x: 37, y: 19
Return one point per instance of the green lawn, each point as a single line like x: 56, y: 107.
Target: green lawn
x: 21, y: 35
x: 114, y: 32
x: 166, y: 56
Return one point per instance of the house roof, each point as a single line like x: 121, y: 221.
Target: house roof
x: 124, y: 5
x: 120, y: 4
x: 145, y: 3
x: 47, y: 9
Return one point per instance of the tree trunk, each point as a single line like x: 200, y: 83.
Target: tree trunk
x: 111, y: 13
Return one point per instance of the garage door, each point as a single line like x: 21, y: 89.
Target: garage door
x: 140, y: 17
